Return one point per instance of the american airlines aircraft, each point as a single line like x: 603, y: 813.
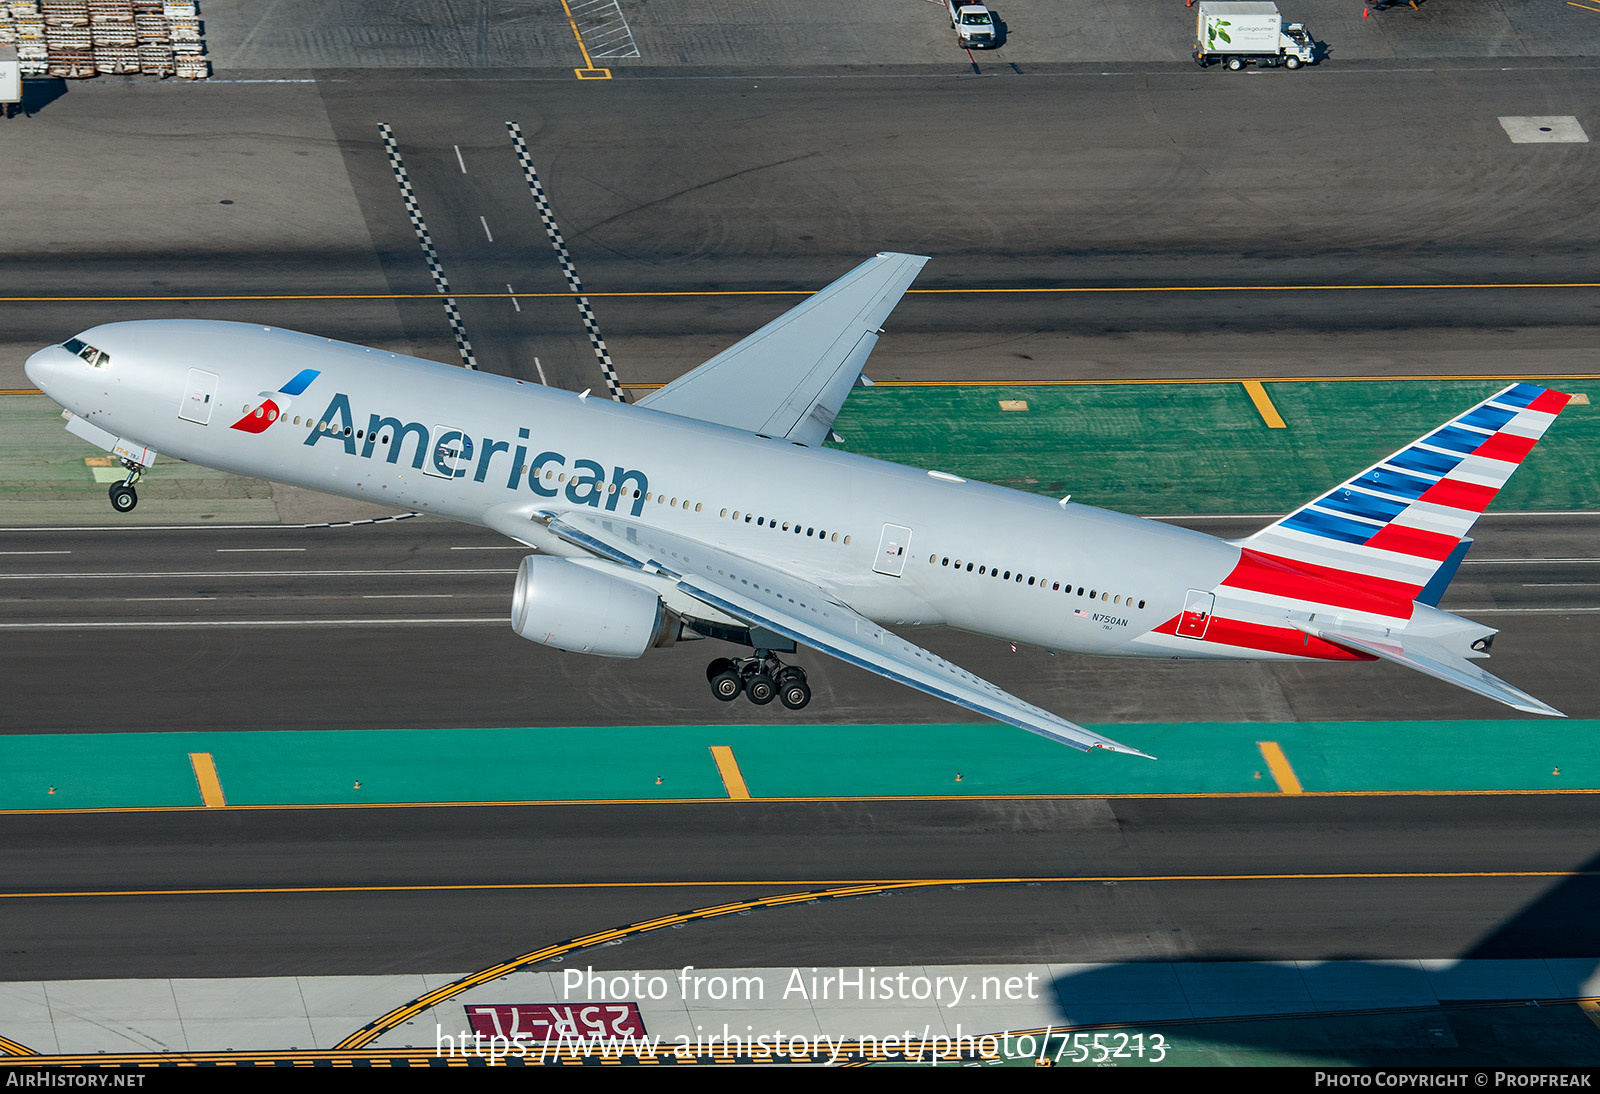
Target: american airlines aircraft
x: 712, y: 509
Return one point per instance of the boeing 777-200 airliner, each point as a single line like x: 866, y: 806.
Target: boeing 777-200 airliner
x: 712, y: 508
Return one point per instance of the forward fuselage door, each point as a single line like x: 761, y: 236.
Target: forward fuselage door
x: 1196, y: 615
x: 451, y: 453
x: 892, y: 550
x: 199, y: 395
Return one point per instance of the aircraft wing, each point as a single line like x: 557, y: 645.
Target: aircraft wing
x: 801, y: 611
x: 1436, y: 660
x: 790, y: 378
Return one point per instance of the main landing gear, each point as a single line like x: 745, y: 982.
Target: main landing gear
x: 123, y: 496
x: 761, y: 678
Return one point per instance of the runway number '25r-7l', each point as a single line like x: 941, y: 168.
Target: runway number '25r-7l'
x: 712, y: 509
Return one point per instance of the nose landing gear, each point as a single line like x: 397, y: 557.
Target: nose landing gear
x: 123, y: 495
x: 761, y: 679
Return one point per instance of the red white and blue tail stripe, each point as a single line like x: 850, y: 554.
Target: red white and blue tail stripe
x: 1395, y: 525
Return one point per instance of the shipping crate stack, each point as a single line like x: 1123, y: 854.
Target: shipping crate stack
x: 68, y: 38
x: 187, y: 46
x: 115, y: 41
x: 32, y: 51
x: 74, y: 39
x: 154, y: 38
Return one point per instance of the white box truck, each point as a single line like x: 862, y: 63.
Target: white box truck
x: 10, y: 80
x: 1242, y: 32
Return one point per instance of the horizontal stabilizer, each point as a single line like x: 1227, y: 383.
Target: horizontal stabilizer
x: 1434, y: 658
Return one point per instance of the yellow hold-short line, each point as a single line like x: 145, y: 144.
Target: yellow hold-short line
x: 1279, y: 764
x: 1258, y: 396
x: 205, y: 774
x: 732, y: 777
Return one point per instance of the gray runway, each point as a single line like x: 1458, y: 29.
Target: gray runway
x: 737, y: 156
x: 406, y: 625
x: 465, y: 888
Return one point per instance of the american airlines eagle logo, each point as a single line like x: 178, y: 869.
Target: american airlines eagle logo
x: 274, y: 404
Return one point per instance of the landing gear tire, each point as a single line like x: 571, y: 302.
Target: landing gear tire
x: 123, y: 497
x: 726, y: 683
x: 795, y: 694
x: 760, y: 689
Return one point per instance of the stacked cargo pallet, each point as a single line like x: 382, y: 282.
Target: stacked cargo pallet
x: 154, y: 38
x: 80, y: 38
x: 67, y: 38
x: 115, y: 43
x: 187, y: 46
x: 28, y: 30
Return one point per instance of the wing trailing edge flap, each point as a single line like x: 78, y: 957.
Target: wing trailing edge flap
x: 790, y: 378
x: 803, y: 612
x: 1433, y: 658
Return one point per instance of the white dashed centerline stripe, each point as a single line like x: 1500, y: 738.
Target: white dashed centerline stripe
x: 414, y: 211
x: 565, y: 259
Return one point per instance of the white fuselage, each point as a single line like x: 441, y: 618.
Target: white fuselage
x: 901, y: 545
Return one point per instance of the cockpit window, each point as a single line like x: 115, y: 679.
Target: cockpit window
x: 97, y: 358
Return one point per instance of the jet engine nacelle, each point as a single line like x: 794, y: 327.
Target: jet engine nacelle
x: 578, y: 608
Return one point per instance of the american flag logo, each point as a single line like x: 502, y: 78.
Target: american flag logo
x: 1080, y: 613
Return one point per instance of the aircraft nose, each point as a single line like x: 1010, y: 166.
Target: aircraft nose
x: 45, y: 367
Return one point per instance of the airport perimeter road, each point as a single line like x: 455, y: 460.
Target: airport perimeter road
x: 317, y: 891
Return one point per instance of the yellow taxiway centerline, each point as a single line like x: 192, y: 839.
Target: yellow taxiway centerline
x: 588, y: 71
x: 864, y: 886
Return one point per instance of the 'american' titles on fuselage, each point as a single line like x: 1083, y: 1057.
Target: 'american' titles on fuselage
x: 451, y: 455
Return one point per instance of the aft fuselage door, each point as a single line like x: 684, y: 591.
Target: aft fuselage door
x: 199, y: 395
x: 892, y: 550
x: 1196, y: 615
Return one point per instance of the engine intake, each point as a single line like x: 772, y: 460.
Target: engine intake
x: 578, y: 608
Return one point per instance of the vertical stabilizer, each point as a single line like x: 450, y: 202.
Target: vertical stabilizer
x: 1401, y: 523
